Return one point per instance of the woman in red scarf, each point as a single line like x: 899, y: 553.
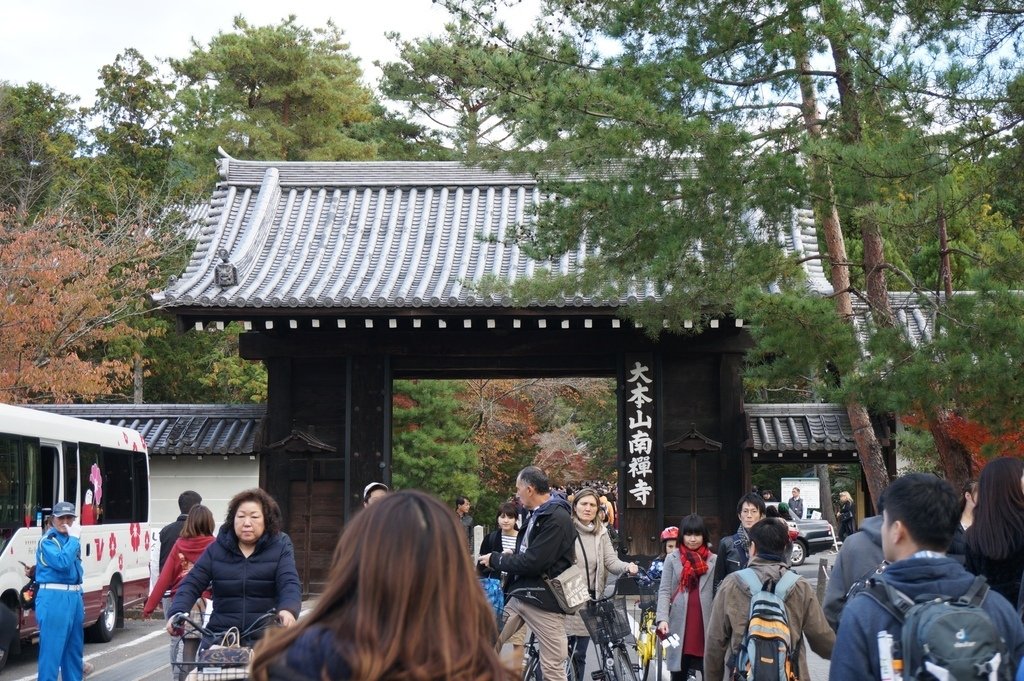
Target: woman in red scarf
x: 684, y: 599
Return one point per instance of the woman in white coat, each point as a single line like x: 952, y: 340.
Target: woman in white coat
x: 596, y: 555
x: 684, y: 598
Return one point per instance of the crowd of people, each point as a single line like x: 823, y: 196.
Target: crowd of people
x: 387, y: 614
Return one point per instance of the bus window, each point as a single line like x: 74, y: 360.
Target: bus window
x: 90, y: 462
x: 70, y: 472
x: 10, y: 474
x: 140, y: 483
x: 46, y: 482
x: 114, y: 485
x: 33, y: 511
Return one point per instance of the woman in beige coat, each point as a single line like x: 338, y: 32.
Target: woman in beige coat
x: 594, y: 553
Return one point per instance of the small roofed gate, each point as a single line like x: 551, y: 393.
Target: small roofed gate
x: 347, y: 276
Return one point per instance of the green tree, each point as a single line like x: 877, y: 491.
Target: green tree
x: 134, y: 105
x: 430, y: 446
x: 447, y: 80
x: 708, y: 123
x: 40, y: 133
x: 272, y: 92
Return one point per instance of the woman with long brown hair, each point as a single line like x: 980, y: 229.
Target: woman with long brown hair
x: 386, y: 614
x: 995, y: 540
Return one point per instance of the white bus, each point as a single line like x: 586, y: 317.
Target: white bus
x: 104, y: 471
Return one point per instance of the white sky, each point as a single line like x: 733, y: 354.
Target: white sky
x: 63, y: 43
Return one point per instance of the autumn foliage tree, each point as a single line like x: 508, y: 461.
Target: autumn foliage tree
x: 69, y: 288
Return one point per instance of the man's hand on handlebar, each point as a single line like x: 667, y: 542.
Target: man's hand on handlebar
x: 285, y: 618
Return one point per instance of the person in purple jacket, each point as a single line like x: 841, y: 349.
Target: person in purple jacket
x: 921, y: 512
x: 251, y: 566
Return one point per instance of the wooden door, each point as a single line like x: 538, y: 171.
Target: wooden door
x: 316, y: 492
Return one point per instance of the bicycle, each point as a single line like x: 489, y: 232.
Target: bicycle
x: 531, y: 656
x: 187, y: 665
x: 648, y: 648
x: 609, y: 627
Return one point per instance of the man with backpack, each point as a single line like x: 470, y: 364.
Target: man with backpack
x: 925, y: 616
x: 762, y: 615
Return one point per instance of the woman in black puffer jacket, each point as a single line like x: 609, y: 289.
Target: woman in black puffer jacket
x: 995, y: 540
x: 251, y: 567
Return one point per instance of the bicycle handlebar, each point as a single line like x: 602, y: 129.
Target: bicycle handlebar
x: 262, y: 622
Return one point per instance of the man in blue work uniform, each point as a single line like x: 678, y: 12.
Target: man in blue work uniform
x: 59, y: 606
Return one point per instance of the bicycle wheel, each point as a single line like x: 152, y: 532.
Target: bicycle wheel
x: 623, y: 666
x: 532, y: 670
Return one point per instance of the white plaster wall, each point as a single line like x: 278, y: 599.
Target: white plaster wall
x: 216, y: 478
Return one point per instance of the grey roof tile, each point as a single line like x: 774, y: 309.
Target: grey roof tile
x: 800, y: 428
x: 915, y: 314
x: 171, y: 429
x: 380, y: 236
x: 211, y: 429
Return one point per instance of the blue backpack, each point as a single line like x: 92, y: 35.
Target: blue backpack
x: 769, y: 649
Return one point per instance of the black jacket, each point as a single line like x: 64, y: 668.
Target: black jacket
x: 550, y: 550
x: 732, y: 557
x: 490, y: 543
x: 243, y: 588
x: 168, y: 535
x: 1004, y: 576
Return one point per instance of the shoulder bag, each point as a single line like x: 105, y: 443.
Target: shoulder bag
x: 570, y: 587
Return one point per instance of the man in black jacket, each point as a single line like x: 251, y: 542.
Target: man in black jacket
x: 169, y: 533
x: 733, y: 549
x: 544, y: 548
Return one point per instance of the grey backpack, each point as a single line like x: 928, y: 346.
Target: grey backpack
x: 945, y: 638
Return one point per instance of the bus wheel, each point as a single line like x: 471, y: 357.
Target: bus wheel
x: 103, y: 630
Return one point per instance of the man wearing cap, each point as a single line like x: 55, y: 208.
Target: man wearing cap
x: 59, y: 606
x: 375, y: 491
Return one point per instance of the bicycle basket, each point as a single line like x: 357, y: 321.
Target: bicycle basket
x: 605, y: 622
x: 649, y: 594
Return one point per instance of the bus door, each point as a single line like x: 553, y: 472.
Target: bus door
x: 43, y: 488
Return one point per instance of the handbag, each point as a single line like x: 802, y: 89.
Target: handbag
x: 571, y: 587
x: 228, y: 653
x: 27, y: 595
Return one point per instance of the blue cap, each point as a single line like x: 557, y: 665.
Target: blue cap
x: 63, y: 508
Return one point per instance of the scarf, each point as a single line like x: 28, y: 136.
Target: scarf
x: 742, y: 538
x: 694, y: 565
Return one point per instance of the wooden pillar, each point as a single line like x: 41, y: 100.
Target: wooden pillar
x: 367, y: 426
x: 735, y: 464
x: 278, y: 426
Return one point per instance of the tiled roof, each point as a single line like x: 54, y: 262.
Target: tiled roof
x: 179, y: 428
x: 800, y: 428
x: 802, y: 241
x: 377, y: 235
x: 915, y: 315
x: 212, y: 429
